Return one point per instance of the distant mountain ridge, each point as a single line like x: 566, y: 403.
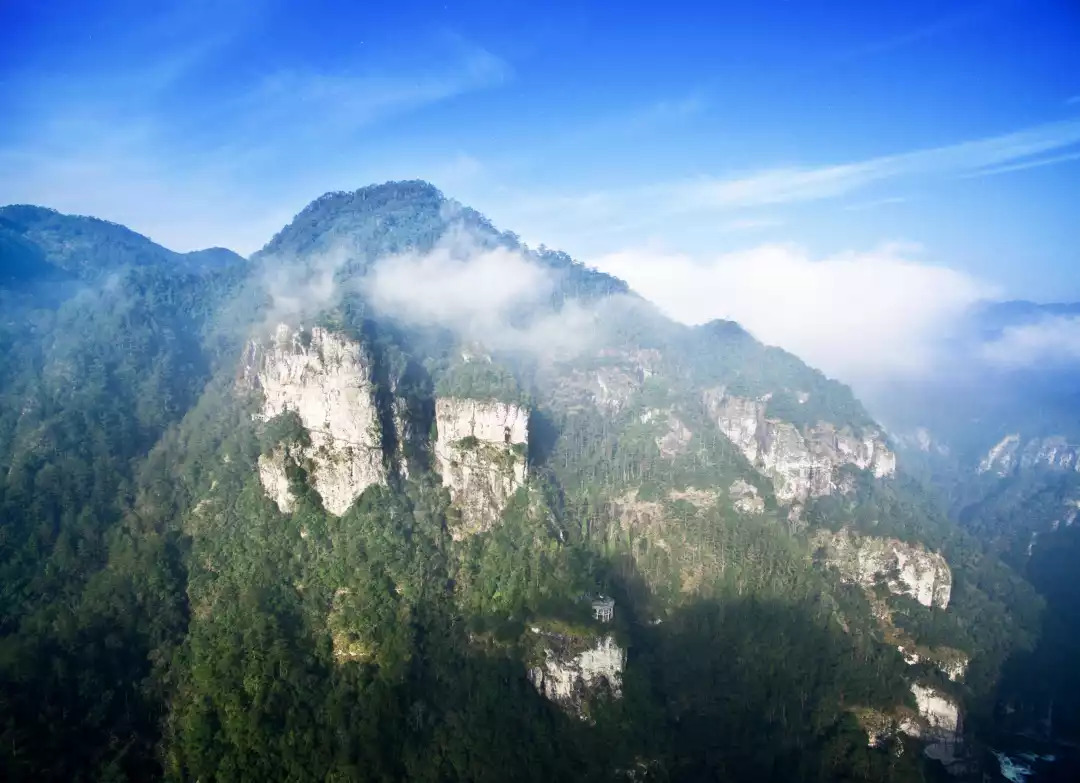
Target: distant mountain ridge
x: 35, y: 237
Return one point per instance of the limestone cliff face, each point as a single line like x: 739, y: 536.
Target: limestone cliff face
x: 569, y: 679
x: 906, y: 569
x: 937, y: 723
x: 745, y: 498
x: 939, y: 716
x: 673, y: 436
x: 950, y: 662
x: 480, y: 453
x: 800, y: 464
x: 275, y: 480
x: 612, y: 379
x: 1012, y: 452
x: 325, y: 379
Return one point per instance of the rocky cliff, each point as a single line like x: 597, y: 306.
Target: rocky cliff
x: 568, y: 678
x: 936, y: 722
x: 801, y: 464
x: 1013, y: 452
x: 905, y: 569
x: 325, y: 379
x: 480, y: 452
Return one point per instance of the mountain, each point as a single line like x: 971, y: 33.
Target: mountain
x: 998, y: 437
x: 400, y: 497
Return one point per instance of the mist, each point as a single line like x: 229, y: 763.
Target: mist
x: 862, y: 317
x: 497, y: 297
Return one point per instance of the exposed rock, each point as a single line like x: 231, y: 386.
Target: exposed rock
x: 906, y: 569
x: 325, y: 378
x: 349, y: 643
x: 1011, y: 453
x: 910, y: 658
x: 954, y: 668
x: 745, y: 497
x: 639, y: 516
x: 702, y: 498
x: 569, y: 680
x: 952, y: 663
x: 938, y: 725
x: 480, y: 453
x: 274, y: 479
x: 616, y: 379
x: 883, y: 727
x: 800, y: 464
x: 674, y: 437
x: 940, y: 715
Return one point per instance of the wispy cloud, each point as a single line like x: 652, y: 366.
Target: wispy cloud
x: 341, y: 102
x: 785, y: 185
x: 917, y: 35
x: 1051, y: 341
x: 1026, y: 164
x: 102, y: 144
x: 751, y: 224
x: 875, y: 203
x: 798, y: 184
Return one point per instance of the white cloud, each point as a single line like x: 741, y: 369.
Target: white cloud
x: 273, y: 143
x: 496, y: 297
x: 658, y: 201
x: 1053, y: 160
x: 301, y: 290
x: 333, y: 103
x: 1050, y: 341
x: 861, y: 317
x: 472, y: 291
x: 785, y: 185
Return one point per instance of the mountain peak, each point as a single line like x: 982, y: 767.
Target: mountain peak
x: 387, y: 218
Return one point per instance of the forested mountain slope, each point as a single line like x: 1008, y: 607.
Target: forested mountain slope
x: 999, y: 438
x: 352, y: 509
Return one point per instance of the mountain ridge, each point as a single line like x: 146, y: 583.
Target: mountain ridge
x: 167, y: 443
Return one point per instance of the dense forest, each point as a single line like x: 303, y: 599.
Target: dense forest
x: 161, y: 617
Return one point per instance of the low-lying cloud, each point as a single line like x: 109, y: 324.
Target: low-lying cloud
x: 470, y: 290
x: 497, y: 297
x: 1049, y: 342
x: 300, y: 290
x: 860, y: 317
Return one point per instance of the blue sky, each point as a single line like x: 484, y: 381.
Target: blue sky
x: 628, y: 134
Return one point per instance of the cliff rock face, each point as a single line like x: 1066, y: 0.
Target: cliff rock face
x: 673, y: 437
x: 568, y: 680
x: 480, y: 453
x: 906, y: 569
x: 612, y: 379
x: 801, y: 465
x: 939, y: 714
x: 275, y: 480
x: 745, y: 498
x: 325, y: 378
x: 952, y: 663
x: 937, y: 723
x: 1012, y: 453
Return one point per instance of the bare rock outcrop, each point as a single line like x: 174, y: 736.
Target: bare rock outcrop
x: 905, y: 569
x: 480, y: 453
x: 1012, y: 452
x: 325, y: 378
x: 569, y: 677
x: 801, y: 464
